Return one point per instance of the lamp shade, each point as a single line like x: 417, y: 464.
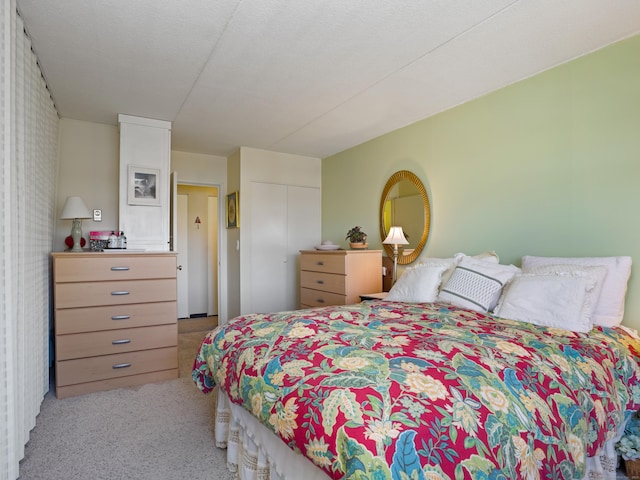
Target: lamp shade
x: 396, y: 237
x: 74, y: 207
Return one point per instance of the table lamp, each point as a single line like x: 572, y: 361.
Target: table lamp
x: 395, y: 238
x: 75, y: 209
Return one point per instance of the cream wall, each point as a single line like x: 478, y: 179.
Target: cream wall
x: 88, y: 166
x: 199, y: 169
x: 548, y: 166
x: 256, y: 165
x: 233, y: 237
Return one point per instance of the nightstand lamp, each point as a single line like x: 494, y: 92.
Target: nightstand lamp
x: 75, y: 209
x: 395, y: 238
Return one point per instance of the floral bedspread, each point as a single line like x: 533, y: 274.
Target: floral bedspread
x: 384, y: 390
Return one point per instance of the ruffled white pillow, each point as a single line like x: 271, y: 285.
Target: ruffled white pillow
x: 418, y: 284
x: 595, y: 274
x: 609, y: 310
x: 550, y: 300
x: 451, y: 263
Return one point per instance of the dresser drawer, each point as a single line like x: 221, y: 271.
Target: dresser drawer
x: 317, y: 298
x: 71, y: 295
x: 96, y: 267
x: 112, y: 317
x: 318, y: 262
x: 328, y: 282
x: 70, y: 372
x: 92, y: 344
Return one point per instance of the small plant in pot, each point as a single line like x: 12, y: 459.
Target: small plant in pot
x: 629, y: 447
x: 357, y: 238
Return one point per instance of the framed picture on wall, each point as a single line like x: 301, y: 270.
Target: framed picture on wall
x: 233, y: 211
x: 143, y: 186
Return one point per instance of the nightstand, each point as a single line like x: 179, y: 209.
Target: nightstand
x: 338, y: 277
x: 373, y: 296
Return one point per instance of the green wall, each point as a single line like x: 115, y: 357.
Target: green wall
x: 548, y: 166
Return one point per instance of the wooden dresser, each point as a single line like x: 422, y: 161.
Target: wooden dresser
x: 338, y: 277
x: 115, y: 320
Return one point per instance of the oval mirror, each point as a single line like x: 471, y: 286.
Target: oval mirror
x: 405, y: 204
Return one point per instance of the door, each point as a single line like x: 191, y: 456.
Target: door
x: 284, y: 220
x: 182, y: 240
x: 268, y: 247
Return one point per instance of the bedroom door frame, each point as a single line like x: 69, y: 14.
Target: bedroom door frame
x: 221, y: 245
x: 182, y: 256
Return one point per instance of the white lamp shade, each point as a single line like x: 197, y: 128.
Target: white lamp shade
x: 396, y: 237
x: 74, y: 207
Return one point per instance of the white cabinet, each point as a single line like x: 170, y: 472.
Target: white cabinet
x: 284, y: 220
x: 145, y: 145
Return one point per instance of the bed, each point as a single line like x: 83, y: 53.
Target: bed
x: 436, y: 389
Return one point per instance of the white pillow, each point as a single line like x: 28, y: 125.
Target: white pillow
x: 491, y: 257
x: 418, y: 284
x: 476, y: 284
x: 432, y: 260
x: 560, y: 301
x: 609, y: 309
x: 450, y: 262
x: 595, y: 274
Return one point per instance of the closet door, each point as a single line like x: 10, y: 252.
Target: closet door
x: 284, y: 220
x: 303, y: 233
x: 268, y: 247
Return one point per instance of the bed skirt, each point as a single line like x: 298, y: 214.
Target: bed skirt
x: 256, y: 453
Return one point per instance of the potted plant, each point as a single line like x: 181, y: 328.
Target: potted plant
x: 357, y: 238
x: 629, y: 447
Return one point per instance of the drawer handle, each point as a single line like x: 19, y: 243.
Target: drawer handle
x: 320, y: 263
x: 320, y: 282
x: 121, y: 342
x: 120, y: 317
x: 320, y: 300
x: 119, y: 269
x: 123, y: 292
x: 121, y: 365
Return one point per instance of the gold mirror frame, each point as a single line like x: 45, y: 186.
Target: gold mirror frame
x: 391, y: 183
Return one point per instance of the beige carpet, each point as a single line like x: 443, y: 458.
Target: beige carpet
x: 157, y: 431
x: 188, y: 325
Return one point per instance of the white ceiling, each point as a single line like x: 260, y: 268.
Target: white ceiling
x: 311, y: 77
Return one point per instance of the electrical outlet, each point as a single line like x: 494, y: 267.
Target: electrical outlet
x: 97, y: 215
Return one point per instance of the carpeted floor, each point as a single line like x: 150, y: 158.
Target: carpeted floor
x: 157, y: 431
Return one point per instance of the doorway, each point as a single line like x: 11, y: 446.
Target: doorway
x: 197, y: 254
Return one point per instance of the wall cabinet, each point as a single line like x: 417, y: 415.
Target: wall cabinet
x: 115, y: 320
x: 145, y: 146
x: 338, y: 277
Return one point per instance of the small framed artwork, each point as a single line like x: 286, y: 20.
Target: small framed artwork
x: 143, y: 185
x: 233, y: 212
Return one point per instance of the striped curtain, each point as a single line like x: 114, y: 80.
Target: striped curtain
x: 29, y: 132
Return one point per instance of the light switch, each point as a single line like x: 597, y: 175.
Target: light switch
x: 97, y: 215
